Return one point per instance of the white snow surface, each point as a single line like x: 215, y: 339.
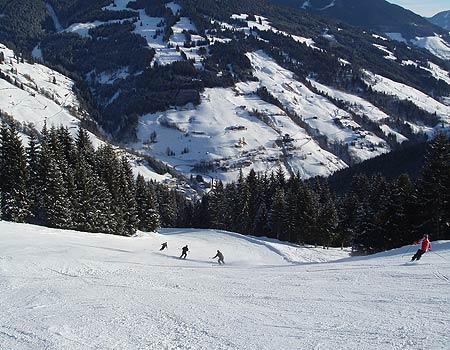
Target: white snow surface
x: 361, y: 107
x: 263, y: 24
x: 224, y: 128
x: 435, y: 44
x: 43, y: 101
x: 73, y: 290
x: 397, y: 37
x: 405, y: 92
x: 389, y: 56
x: 317, y: 111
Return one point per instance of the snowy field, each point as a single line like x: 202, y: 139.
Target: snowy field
x: 72, y: 290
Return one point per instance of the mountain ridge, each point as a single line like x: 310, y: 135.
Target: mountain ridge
x: 441, y: 19
x: 157, y: 80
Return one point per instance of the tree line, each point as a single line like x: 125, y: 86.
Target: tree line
x: 374, y: 212
x: 64, y: 182
x: 61, y: 182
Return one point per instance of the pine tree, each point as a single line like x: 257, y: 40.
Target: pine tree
x: 34, y: 195
x: 348, y: 213
x: 254, y: 197
x: 328, y: 219
x: 167, y: 206
x: 434, y: 189
x: 147, y: 208
x: 55, y: 208
x: 277, y: 215
x: 308, y: 212
x: 127, y: 198
x: 85, y: 205
x: 260, y: 224
x: 242, y: 219
x: 217, y: 205
x: 84, y: 146
x: 14, y: 176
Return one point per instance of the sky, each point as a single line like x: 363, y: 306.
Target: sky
x: 426, y: 8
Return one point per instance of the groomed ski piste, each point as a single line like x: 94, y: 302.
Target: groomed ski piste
x: 74, y: 290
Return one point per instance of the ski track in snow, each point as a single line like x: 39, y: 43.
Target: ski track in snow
x: 72, y: 290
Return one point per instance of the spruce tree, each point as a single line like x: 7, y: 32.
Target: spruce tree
x: 85, y: 205
x: 434, y: 189
x: 14, y: 176
x: 328, y: 218
x: 34, y: 195
x: 129, y: 198
x: 55, y: 209
x: 217, y: 205
x: 277, y: 215
x: 147, y: 207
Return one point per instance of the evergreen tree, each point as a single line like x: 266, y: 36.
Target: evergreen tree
x: 147, y: 208
x: 55, y: 209
x: 434, y: 189
x: 14, y: 175
x: 217, y: 205
x: 85, y: 204
x: 348, y: 214
x: 328, y: 219
x: 84, y: 146
x: 260, y: 224
x: 277, y: 215
x: 168, y: 206
x: 34, y: 195
x: 242, y: 219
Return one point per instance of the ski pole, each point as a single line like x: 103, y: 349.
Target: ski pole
x: 438, y: 255
x: 407, y: 252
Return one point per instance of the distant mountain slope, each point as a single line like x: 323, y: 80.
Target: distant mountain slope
x: 33, y: 95
x: 215, y: 86
x: 383, y: 17
x: 378, y: 15
x: 441, y: 19
x: 408, y: 160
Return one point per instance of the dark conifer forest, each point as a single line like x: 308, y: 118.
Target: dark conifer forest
x: 61, y: 182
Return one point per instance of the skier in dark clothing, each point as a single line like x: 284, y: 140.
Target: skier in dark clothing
x: 220, y: 256
x: 164, y: 246
x: 425, y: 245
x: 184, y: 251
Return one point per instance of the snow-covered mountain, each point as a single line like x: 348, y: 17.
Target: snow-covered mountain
x: 383, y: 17
x: 72, y: 290
x: 34, y: 95
x: 212, y: 92
x: 441, y: 19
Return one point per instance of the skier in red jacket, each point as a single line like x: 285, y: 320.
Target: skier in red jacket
x: 424, y: 247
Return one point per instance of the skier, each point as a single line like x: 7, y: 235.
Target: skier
x: 425, y: 246
x: 220, y: 256
x: 164, y: 246
x: 184, y: 251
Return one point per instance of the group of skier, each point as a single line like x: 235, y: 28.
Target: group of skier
x: 425, y: 246
x: 185, y: 250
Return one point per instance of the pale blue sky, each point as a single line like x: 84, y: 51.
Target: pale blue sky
x: 426, y: 8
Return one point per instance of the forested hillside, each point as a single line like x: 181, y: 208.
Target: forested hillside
x: 212, y: 86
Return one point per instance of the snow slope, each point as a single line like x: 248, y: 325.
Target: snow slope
x: 224, y: 129
x: 48, y: 97
x: 435, y: 44
x: 404, y: 92
x: 315, y: 110
x: 72, y: 290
